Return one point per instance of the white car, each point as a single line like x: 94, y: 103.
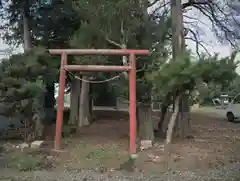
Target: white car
x: 233, y: 110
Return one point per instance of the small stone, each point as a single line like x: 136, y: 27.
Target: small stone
x: 22, y: 145
x: 36, y: 144
x: 146, y: 144
x: 49, y: 157
x: 159, y: 146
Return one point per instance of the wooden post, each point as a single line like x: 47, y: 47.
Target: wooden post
x: 60, y: 108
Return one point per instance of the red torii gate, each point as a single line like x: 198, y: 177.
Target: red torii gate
x: 131, y: 68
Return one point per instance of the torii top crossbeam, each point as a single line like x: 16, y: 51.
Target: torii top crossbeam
x: 98, y: 51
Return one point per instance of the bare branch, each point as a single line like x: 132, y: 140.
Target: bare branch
x: 157, y: 9
x: 122, y: 45
x: 194, y: 3
x: 221, y: 25
x: 194, y: 19
x: 197, y: 42
x: 114, y: 43
x: 124, y: 37
x: 220, y: 18
x: 153, y: 3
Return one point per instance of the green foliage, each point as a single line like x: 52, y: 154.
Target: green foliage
x: 51, y: 24
x: 221, y: 77
x: 94, y: 24
x: 26, y: 163
x: 122, y: 24
x: 173, y: 76
x: 219, y: 70
x: 22, y: 79
x: 185, y: 75
x: 28, y: 160
x: 234, y: 87
x: 106, y: 21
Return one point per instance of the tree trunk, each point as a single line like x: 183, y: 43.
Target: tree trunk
x: 183, y: 126
x: 184, y: 117
x: 172, y: 121
x: 88, y: 116
x: 38, y: 132
x: 163, y: 113
x: 38, y: 129
x: 74, y: 101
x: 84, y: 114
x: 170, y: 130
x: 90, y: 105
x: 138, y: 121
x: 179, y: 50
x: 49, y: 117
x: 26, y: 32
x: 145, y: 127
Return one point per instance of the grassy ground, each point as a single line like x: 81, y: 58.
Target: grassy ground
x: 103, y: 147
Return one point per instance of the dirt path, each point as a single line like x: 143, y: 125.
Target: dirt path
x: 230, y: 173
x: 99, y: 150
x: 210, y: 111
